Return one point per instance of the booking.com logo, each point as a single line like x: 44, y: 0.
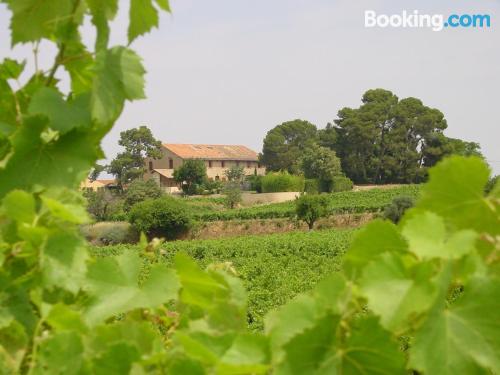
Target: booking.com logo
x: 436, y: 22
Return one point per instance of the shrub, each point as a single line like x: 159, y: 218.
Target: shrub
x: 191, y: 174
x: 397, y: 208
x: 110, y: 233
x: 232, y: 193
x: 282, y: 181
x: 103, y: 205
x: 139, y: 191
x: 255, y: 183
x: 310, y: 208
x: 341, y: 183
x: 164, y: 217
x: 212, y: 187
x: 311, y: 186
x: 235, y: 173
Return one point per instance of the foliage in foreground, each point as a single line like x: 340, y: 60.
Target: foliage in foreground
x: 273, y: 268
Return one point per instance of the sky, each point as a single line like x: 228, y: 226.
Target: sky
x: 228, y: 71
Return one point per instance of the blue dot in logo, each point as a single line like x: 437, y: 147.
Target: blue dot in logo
x: 446, y: 24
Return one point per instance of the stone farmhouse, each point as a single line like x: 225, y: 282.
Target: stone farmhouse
x: 217, y: 158
x: 97, y: 185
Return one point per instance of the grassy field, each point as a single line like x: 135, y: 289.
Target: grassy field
x: 274, y: 268
x: 345, y: 202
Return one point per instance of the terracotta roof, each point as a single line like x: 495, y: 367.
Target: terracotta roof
x: 169, y: 173
x: 106, y: 181
x: 214, y: 152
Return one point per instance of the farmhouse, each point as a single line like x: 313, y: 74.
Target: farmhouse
x: 97, y: 185
x: 217, y: 158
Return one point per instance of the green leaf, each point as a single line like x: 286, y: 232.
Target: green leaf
x: 79, y: 64
x: 289, y: 320
x: 374, y: 239
x: 115, y: 285
x: 72, y: 213
x: 102, y: 12
x: 61, y: 162
x: 11, y: 69
x: 20, y: 206
x: 139, y: 334
x: 36, y: 19
x: 64, y: 261
x: 63, y: 318
x: 198, y: 287
x: 367, y: 350
x: 427, y: 238
x: 117, y: 359
x: 248, y: 354
x: 13, y: 342
x: 62, y: 353
x: 397, y: 292
x: 63, y: 116
x: 221, y: 296
x: 463, y: 338
x: 370, y: 350
x: 163, y: 4
x: 119, y: 76
x: 455, y: 191
x: 143, y: 17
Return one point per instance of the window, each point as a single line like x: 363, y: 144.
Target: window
x: 150, y: 166
x: 223, y: 164
x: 249, y: 164
x: 170, y: 164
x: 210, y: 164
x: 237, y: 163
x: 258, y: 165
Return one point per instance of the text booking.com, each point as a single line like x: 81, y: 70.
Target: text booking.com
x: 436, y: 22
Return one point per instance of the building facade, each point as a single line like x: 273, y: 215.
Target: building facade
x: 217, y: 158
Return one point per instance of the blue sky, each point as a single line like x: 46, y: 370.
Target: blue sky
x: 227, y: 71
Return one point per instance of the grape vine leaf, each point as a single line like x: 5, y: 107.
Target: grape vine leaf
x: 395, y: 291
x: 463, y: 338
x: 102, y: 12
x: 368, y: 349
x: 35, y: 19
x: 248, y: 354
x: 11, y: 69
x: 20, y: 206
x: 71, y: 213
x: 13, y: 341
x: 455, y: 187
x: 64, y: 261
x: 428, y: 238
x: 163, y: 4
x: 61, y: 162
x: 61, y: 317
x: 374, y: 239
x: 63, y: 116
x: 114, y: 282
x: 63, y: 353
x: 143, y: 17
x: 221, y: 296
x: 119, y: 76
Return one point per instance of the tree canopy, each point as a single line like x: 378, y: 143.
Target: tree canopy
x: 385, y: 140
x: 191, y: 174
x: 284, y: 145
x: 139, y: 144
